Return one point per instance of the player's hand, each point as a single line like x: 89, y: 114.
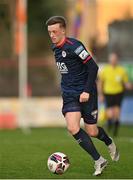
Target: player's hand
x: 129, y: 86
x: 84, y: 97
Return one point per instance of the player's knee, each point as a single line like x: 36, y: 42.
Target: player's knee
x: 92, y: 133
x: 73, y: 130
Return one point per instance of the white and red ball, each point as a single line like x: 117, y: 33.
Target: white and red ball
x: 58, y: 163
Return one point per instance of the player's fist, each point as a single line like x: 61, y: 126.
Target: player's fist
x: 84, y: 97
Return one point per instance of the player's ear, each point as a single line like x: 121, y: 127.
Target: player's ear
x: 63, y: 30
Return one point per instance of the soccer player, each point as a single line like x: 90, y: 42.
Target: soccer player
x: 113, y: 80
x: 79, y: 91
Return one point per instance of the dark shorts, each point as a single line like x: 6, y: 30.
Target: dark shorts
x: 113, y: 99
x: 89, y: 109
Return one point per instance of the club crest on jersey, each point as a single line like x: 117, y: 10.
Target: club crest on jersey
x: 62, y: 67
x: 63, y: 53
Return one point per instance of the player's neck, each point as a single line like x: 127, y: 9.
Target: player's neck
x: 61, y: 42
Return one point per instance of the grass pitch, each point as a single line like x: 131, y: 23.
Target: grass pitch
x: 25, y: 155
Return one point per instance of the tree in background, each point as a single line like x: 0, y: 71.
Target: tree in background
x: 38, y: 12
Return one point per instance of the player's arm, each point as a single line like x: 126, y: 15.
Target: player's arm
x: 92, y: 67
x: 100, y: 85
x: 92, y: 75
x: 128, y: 85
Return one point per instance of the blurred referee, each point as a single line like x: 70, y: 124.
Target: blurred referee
x: 113, y: 81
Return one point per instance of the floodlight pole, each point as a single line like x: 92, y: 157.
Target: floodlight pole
x: 23, y: 54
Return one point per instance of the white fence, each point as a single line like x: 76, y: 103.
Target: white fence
x: 34, y: 112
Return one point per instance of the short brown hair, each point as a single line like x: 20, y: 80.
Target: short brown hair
x: 56, y: 19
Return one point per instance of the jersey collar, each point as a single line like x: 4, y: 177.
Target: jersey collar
x: 62, y: 43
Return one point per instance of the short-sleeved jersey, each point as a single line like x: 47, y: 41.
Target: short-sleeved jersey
x: 71, y: 57
x: 113, y: 79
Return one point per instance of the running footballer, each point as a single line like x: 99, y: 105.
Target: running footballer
x: 79, y: 91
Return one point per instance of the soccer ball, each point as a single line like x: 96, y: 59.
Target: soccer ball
x: 58, y: 163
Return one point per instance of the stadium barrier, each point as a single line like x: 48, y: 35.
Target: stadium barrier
x: 33, y: 112
x: 43, y: 112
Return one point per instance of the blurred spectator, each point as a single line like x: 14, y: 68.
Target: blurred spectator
x: 113, y: 80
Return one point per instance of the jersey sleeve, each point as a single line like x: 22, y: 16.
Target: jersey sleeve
x: 82, y: 52
x: 92, y: 68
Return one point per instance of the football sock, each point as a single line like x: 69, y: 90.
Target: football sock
x: 86, y: 143
x: 103, y: 136
x: 116, y: 127
x: 110, y: 124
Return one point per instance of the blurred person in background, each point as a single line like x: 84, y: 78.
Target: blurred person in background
x: 79, y: 91
x: 113, y: 80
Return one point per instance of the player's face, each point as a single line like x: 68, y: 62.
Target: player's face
x: 56, y: 33
x: 113, y: 59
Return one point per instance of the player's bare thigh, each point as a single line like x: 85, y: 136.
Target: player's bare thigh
x: 113, y: 112
x: 117, y: 111
x: 73, y: 121
x: 91, y: 129
x: 110, y: 112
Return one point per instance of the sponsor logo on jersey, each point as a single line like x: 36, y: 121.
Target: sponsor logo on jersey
x: 63, y: 53
x: 62, y: 67
x: 79, y: 49
x: 83, y: 55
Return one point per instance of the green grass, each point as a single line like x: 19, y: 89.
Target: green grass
x: 25, y: 155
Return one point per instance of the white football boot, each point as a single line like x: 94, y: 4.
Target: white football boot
x: 113, y: 151
x: 99, y: 166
